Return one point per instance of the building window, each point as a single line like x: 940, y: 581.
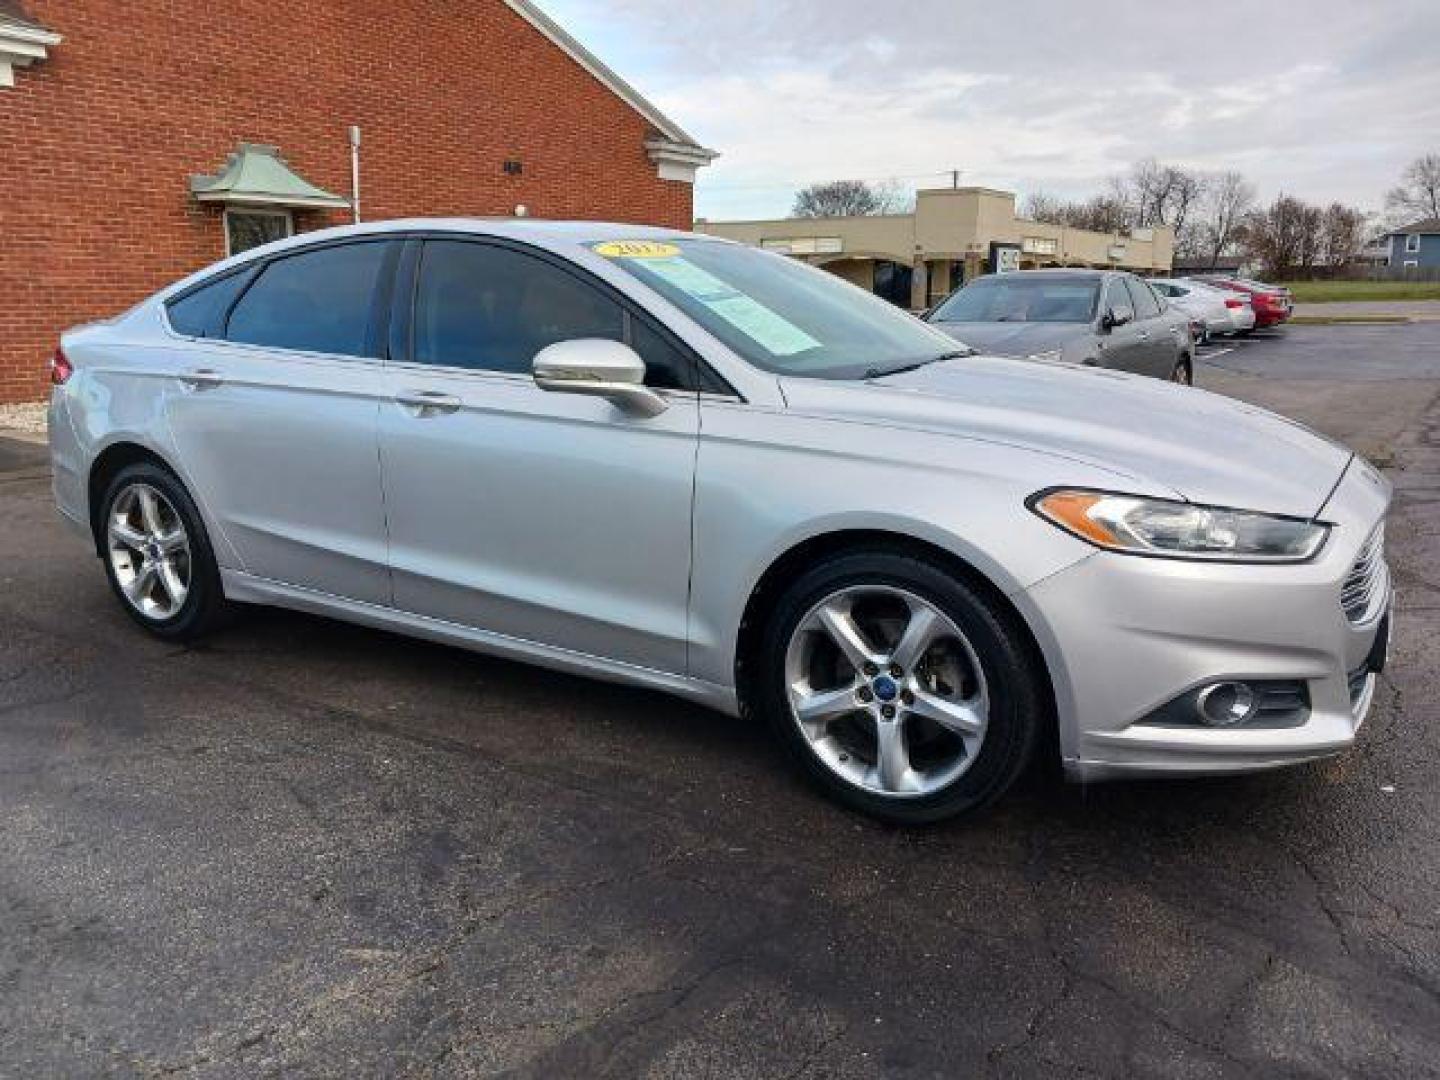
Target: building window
x: 894, y: 282
x: 1412, y: 262
x: 806, y: 245
x: 245, y: 229
x: 1412, y: 242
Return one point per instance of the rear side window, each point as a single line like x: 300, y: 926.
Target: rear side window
x: 319, y: 301
x: 200, y: 312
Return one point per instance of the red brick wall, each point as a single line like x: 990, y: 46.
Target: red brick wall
x: 98, y: 142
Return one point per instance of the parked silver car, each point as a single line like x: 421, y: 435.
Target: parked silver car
x: 1218, y: 311
x: 693, y: 466
x: 1097, y: 318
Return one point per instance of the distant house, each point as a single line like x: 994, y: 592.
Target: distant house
x: 1414, y: 246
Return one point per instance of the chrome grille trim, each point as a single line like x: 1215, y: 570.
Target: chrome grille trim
x: 1363, y: 595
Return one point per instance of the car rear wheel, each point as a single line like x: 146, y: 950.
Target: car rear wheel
x: 899, y: 690
x: 157, y: 555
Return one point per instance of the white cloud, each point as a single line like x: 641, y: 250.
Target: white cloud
x: 1321, y: 98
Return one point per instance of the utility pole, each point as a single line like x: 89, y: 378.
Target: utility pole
x: 955, y: 179
x: 355, y: 172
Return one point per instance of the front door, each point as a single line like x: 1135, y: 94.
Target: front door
x: 1160, y: 348
x: 1122, y: 347
x: 545, y: 517
x: 274, y: 414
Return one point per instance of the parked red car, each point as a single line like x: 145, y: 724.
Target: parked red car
x: 1273, y: 304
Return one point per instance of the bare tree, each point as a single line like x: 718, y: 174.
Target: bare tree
x: 848, y: 198
x: 1228, y: 199
x: 1100, y: 213
x: 1292, y: 238
x: 1276, y: 236
x: 1418, y: 195
x: 1343, y: 231
x: 1187, y: 193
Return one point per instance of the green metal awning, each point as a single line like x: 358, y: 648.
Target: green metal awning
x: 256, y: 175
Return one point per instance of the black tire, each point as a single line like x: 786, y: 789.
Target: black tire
x: 204, y: 606
x: 1017, y: 684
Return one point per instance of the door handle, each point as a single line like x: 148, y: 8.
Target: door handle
x: 428, y: 402
x: 201, y: 379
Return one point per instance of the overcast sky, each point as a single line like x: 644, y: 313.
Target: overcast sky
x: 1326, y: 99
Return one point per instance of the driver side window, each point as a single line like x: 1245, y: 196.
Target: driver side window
x: 492, y: 308
x: 1146, y: 306
x: 1116, y: 296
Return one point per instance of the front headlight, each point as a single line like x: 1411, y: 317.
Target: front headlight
x: 1179, y: 530
x: 1050, y: 354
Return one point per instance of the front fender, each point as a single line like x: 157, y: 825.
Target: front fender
x: 769, y: 482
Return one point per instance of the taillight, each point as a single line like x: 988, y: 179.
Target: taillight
x: 60, y: 367
x: 1233, y: 302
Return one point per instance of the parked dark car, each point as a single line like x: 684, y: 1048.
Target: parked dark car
x: 1100, y: 318
x: 1273, y: 304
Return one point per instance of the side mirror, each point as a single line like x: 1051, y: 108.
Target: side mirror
x: 1118, y: 315
x: 598, y: 367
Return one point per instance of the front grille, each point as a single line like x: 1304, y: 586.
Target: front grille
x: 1363, y: 594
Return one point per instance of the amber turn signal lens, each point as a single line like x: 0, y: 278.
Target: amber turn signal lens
x: 1070, y: 510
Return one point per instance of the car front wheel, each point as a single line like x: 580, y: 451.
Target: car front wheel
x: 899, y: 690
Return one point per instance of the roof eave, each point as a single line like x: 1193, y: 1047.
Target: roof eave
x: 257, y: 198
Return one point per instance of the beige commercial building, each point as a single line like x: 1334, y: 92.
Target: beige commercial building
x: 954, y: 235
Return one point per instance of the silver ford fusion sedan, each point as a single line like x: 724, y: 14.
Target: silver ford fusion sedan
x: 689, y: 465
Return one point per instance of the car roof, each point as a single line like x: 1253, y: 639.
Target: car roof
x: 536, y: 230
x: 1080, y: 272
x: 555, y: 236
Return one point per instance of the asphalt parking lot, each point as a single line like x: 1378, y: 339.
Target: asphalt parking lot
x: 313, y: 849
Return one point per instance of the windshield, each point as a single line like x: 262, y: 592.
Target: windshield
x: 779, y: 314
x: 1020, y: 298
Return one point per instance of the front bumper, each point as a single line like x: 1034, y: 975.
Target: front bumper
x: 1124, y: 635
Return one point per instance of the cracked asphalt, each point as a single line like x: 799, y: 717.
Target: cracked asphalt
x: 307, y: 848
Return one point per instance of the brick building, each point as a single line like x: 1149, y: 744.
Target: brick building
x: 141, y: 141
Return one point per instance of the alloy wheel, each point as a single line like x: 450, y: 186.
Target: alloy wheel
x: 887, y: 691
x: 149, y: 551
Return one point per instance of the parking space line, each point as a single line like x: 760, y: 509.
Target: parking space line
x: 1211, y: 354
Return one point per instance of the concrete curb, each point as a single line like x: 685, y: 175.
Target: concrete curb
x: 1352, y: 320
x: 39, y: 438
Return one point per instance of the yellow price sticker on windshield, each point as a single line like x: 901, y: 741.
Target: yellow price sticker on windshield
x: 636, y: 249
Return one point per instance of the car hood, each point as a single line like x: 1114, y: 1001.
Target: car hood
x: 1014, y: 338
x: 1200, y: 446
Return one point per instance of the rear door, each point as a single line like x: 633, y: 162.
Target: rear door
x: 275, y: 414
x: 543, y: 517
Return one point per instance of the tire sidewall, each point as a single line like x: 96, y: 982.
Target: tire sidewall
x: 204, y: 599
x: 1016, y: 702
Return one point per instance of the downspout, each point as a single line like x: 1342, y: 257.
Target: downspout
x: 355, y: 172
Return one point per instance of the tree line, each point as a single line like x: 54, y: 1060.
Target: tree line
x: 1213, y: 214
x: 1216, y: 214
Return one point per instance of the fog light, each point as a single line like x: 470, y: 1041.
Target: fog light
x: 1226, y: 704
